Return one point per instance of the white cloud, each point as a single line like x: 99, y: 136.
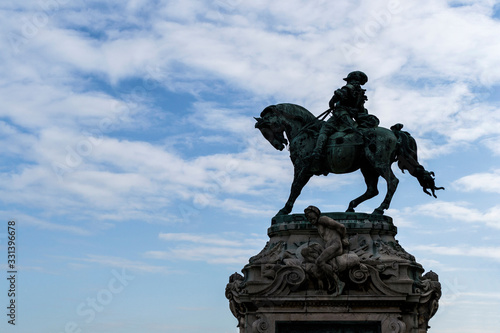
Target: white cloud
x: 67, y: 171
x: 437, y: 266
x: 167, y: 72
x: 487, y: 182
x: 123, y: 263
x: 465, y: 250
x: 198, y: 239
x: 259, y: 57
x: 291, y: 55
x: 493, y: 144
x: 36, y: 106
x: 210, y: 255
x: 213, y: 249
x: 482, y: 295
x: 459, y: 211
x: 27, y: 220
x: 209, y: 116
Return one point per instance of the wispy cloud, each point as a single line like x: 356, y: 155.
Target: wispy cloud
x: 199, y: 239
x: 486, y: 181
x: 465, y: 251
x: 74, y: 83
x: 29, y: 220
x: 123, y: 263
x: 213, y: 249
x: 459, y: 211
x: 127, y: 110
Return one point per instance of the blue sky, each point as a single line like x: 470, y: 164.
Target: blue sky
x: 130, y: 162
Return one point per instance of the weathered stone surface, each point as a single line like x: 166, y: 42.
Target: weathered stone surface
x: 373, y: 280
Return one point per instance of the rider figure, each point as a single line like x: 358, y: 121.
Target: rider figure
x: 348, y: 111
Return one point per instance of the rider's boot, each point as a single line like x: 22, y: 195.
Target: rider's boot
x: 320, y: 145
x: 317, y: 153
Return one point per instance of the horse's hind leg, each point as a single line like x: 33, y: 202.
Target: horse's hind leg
x: 392, y: 184
x: 371, y: 180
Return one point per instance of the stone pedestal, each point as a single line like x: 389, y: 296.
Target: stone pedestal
x: 377, y: 286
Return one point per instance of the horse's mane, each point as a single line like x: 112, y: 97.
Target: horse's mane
x: 293, y: 111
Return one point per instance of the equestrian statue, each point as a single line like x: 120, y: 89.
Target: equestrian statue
x: 349, y: 140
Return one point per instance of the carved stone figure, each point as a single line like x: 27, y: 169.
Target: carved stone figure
x: 430, y: 285
x: 233, y: 290
x: 371, y: 150
x: 333, y: 267
x: 336, y: 244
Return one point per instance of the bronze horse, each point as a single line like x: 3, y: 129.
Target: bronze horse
x: 372, y: 150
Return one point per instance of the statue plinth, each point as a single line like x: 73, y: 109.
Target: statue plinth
x: 374, y: 284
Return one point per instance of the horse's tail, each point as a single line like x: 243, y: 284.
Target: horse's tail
x: 406, y: 156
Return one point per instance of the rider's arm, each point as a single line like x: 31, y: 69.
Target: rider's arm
x: 337, y: 96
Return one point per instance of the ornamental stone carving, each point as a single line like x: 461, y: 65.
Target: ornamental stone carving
x: 333, y: 264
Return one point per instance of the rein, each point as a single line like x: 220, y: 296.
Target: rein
x: 321, y: 117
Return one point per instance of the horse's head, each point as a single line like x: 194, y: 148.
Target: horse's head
x: 272, y: 128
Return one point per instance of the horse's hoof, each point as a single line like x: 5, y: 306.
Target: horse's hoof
x: 378, y: 212
x: 281, y: 213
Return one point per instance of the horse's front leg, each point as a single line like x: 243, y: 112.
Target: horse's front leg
x: 300, y: 179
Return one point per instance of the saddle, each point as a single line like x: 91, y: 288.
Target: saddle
x: 341, y: 138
